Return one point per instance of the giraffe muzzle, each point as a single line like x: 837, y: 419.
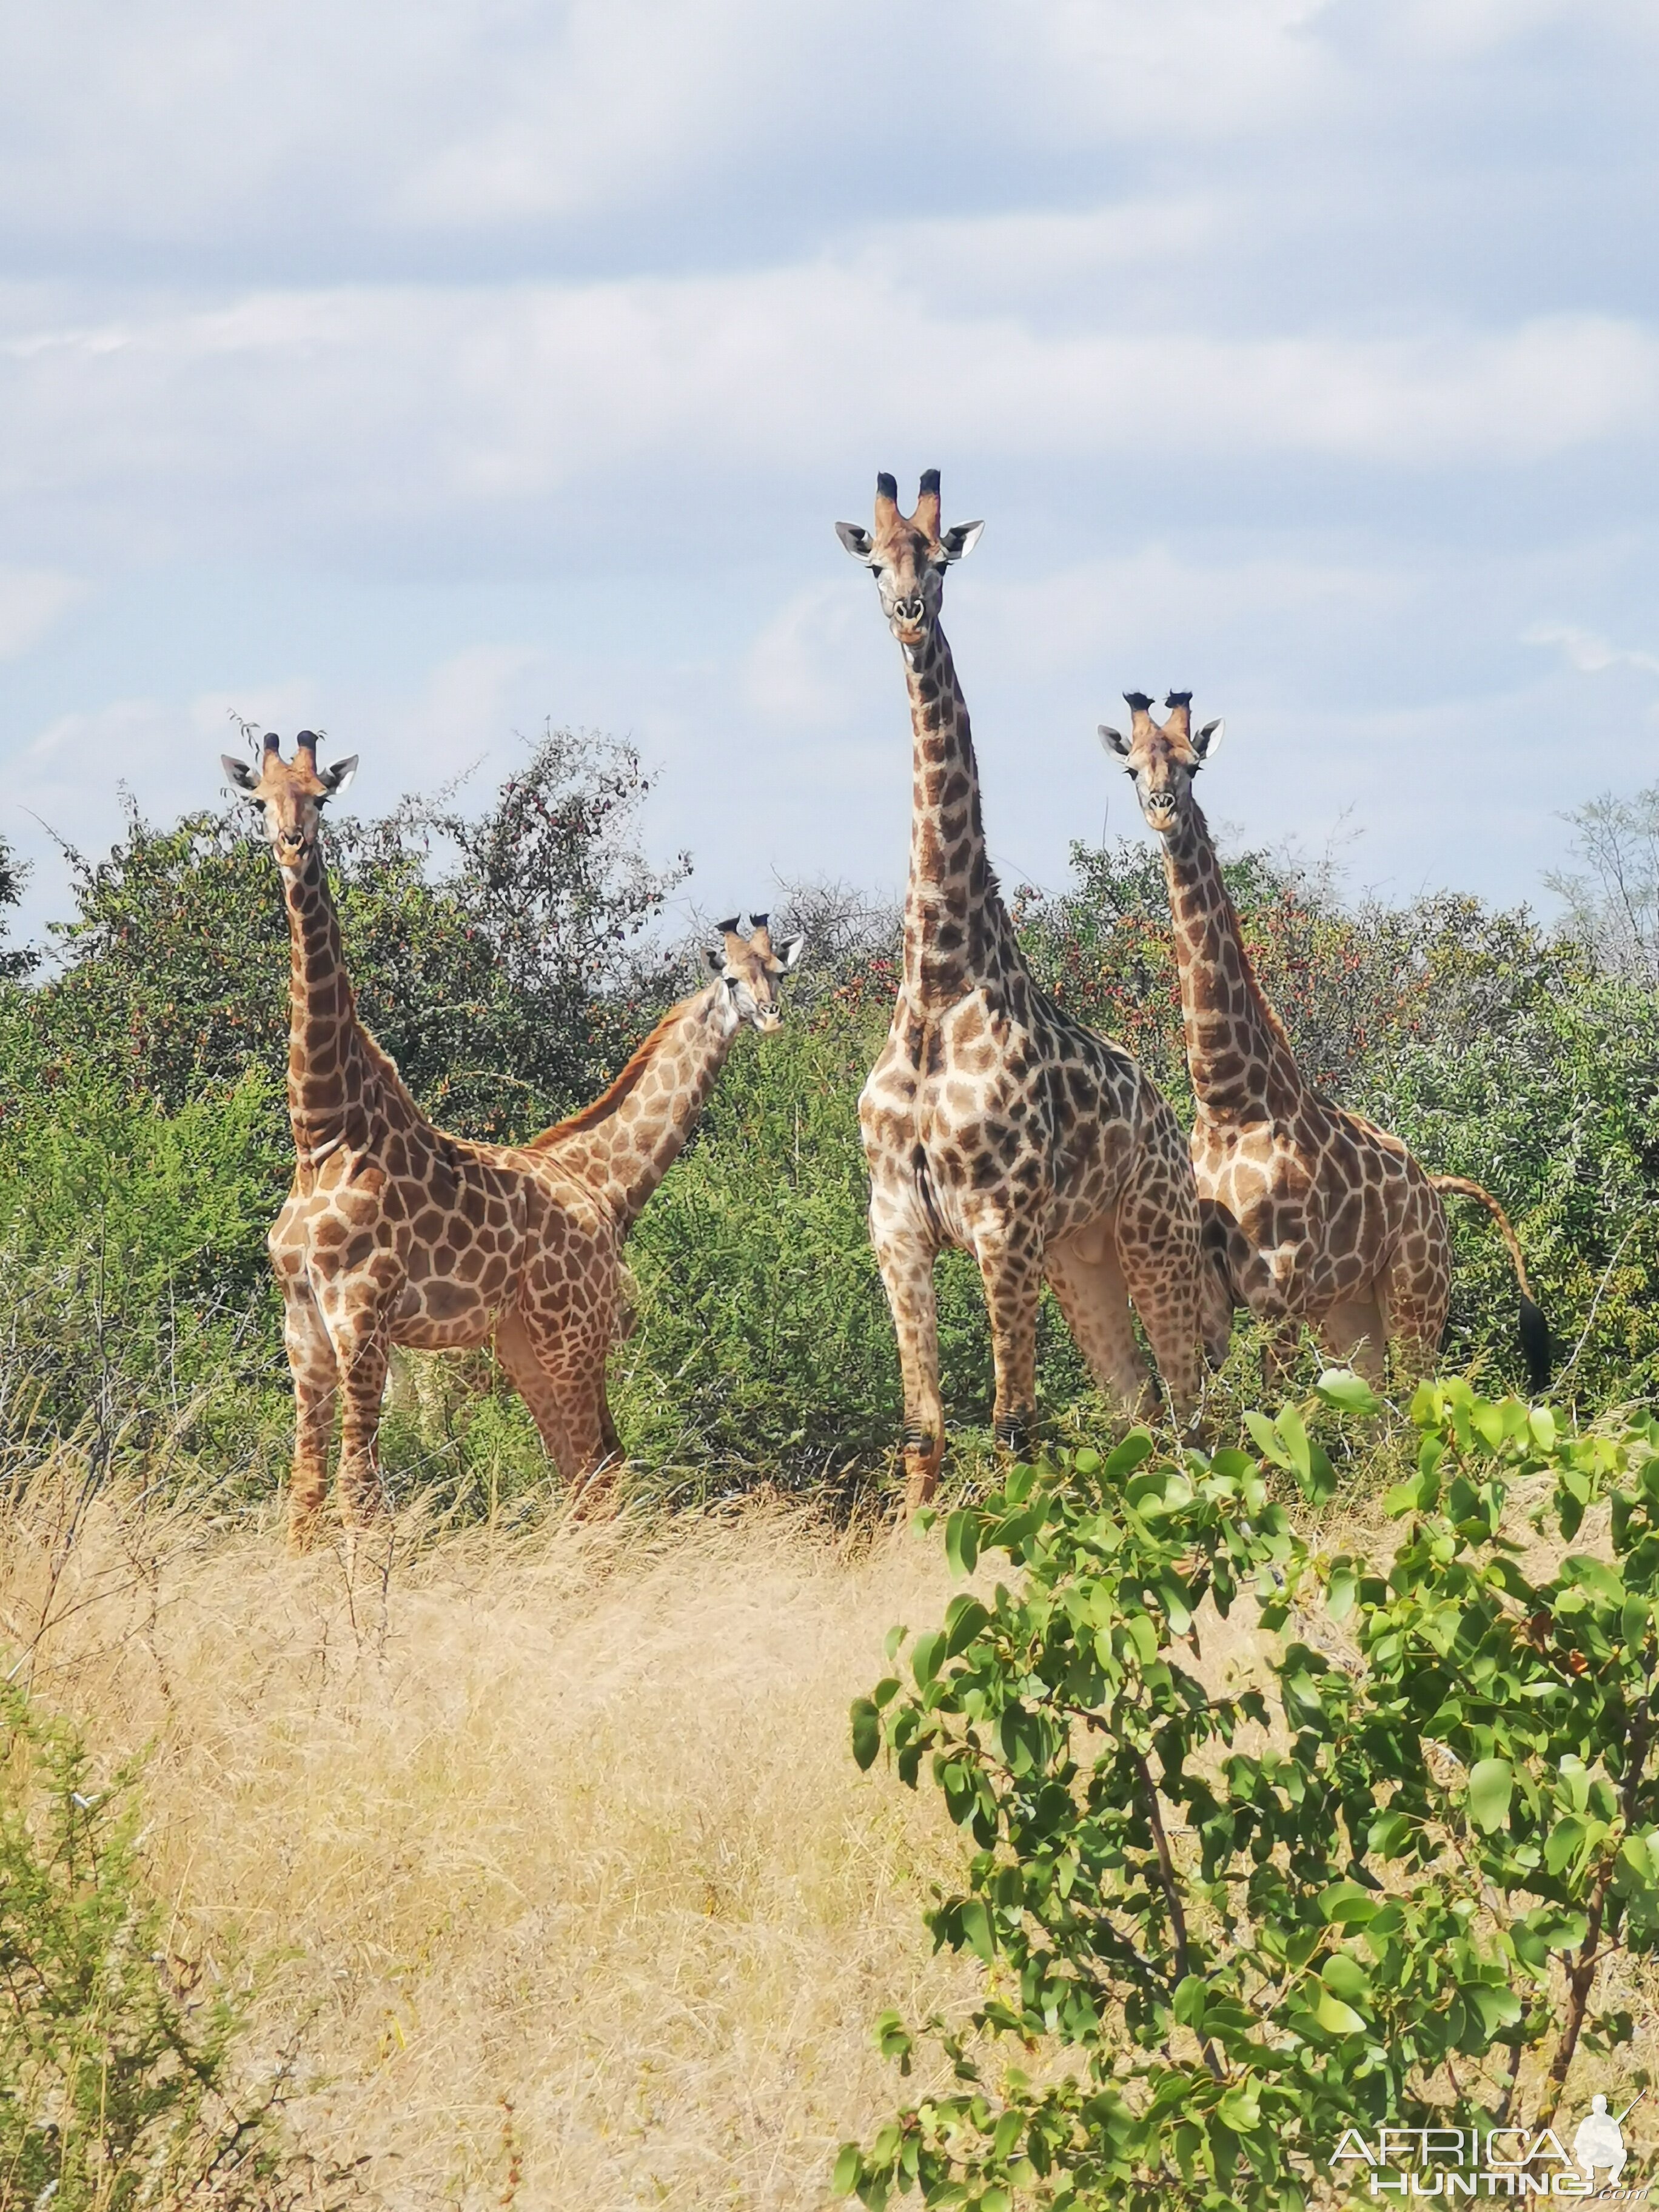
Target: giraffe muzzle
x: 910, y: 613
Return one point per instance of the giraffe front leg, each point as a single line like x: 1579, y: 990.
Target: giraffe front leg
x: 312, y: 1363
x: 1010, y: 1255
x: 363, y: 1350
x: 906, y: 1260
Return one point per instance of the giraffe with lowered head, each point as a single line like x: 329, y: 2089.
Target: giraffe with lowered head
x: 992, y: 1121
x: 1313, y: 1213
x: 397, y: 1233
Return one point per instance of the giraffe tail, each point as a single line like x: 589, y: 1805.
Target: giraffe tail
x: 1535, y: 1329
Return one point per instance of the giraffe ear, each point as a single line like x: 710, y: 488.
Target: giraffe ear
x: 1207, y: 743
x: 789, y: 953
x: 960, y: 539
x: 239, y: 772
x: 858, y: 541
x: 1114, y: 741
x: 713, y: 960
x: 339, y: 776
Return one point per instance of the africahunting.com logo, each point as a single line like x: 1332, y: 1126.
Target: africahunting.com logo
x: 1458, y: 2162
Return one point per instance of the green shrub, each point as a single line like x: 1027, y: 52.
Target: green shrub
x: 1229, y: 1927
x: 117, y: 2059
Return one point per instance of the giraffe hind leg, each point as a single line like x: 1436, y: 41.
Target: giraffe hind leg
x: 516, y: 1350
x: 1087, y: 1279
x: 1355, y: 1334
x: 1009, y: 1258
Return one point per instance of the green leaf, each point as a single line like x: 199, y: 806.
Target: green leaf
x: 1341, y: 1588
x: 1136, y: 1447
x: 1403, y: 1498
x: 1563, y: 1842
x: 962, y: 1541
x: 976, y: 1928
x: 866, y: 1732
x: 1240, y: 2110
x: 1348, y: 1906
x: 1346, y: 1977
x: 1290, y: 1427
x: 964, y: 1617
x: 1496, y: 2007
x: 1350, y: 1392
x: 849, y: 2165
x: 924, y: 1656
x: 1190, y: 1997
x: 1492, y: 1784
x: 1592, y: 1575
x: 1267, y: 1438
x: 1336, y: 2018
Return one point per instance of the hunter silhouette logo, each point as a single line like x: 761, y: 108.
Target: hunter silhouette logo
x: 1600, y: 2140
x: 1454, y: 2162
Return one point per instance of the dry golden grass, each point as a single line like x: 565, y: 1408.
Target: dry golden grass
x: 584, y: 1900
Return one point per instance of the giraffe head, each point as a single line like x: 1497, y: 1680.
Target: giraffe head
x: 909, y: 556
x: 290, y: 794
x: 750, y: 968
x: 1163, y: 758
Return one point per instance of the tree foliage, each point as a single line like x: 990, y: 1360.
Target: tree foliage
x: 1612, y: 895
x: 1380, y: 1885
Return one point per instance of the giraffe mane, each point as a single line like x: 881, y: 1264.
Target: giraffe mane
x: 610, y: 1100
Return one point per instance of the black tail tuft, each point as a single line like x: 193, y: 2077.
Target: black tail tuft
x: 1536, y: 1344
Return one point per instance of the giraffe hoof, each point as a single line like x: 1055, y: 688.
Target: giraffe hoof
x: 1013, y: 1433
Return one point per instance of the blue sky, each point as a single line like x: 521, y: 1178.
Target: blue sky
x: 422, y: 373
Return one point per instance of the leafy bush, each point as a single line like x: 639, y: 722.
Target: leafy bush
x: 1229, y: 1927
x: 117, y: 2085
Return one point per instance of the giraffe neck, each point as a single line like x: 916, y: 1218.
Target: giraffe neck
x: 624, y: 1143
x: 328, y: 1067
x: 957, y: 929
x: 1239, y: 1058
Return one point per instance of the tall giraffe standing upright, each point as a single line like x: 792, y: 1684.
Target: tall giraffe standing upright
x: 992, y: 1121
x: 396, y: 1232
x: 1323, y: 1216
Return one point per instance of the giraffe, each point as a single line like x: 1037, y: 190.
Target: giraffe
x: 395, y: 1232
x: 1312, y: 1213
x: 991, y: 1120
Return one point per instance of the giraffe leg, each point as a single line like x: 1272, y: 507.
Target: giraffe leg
x: 1279, y: 1351
x: 1413, y: 1304
x: 516, y: 1350
x: 1010, y: 1255
x: 562, y: 1362
x: 1087, y: 1279
x: 1160, y: 1249
x: 311, y: 1360
x: 906, y: 1262
x: 363, y: 1352
x: 1354, y: 1333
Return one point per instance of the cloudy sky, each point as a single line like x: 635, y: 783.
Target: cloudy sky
x: 421, y: 373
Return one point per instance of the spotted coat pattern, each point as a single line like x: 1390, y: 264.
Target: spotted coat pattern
x: 992, y: 1121
x: 1312, y: 1213
x: 396, y: 1232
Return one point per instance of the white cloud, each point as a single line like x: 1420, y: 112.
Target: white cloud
x: 350, y: 411
x: 1587, y: 651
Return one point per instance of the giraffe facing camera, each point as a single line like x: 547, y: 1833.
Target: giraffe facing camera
x: 1312, y: 1213
x: 992, y: 1121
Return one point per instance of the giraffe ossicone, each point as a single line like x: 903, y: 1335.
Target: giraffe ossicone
x: 1312, y: 1213
x: 396, y: 1232
x: 992, y: 1121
